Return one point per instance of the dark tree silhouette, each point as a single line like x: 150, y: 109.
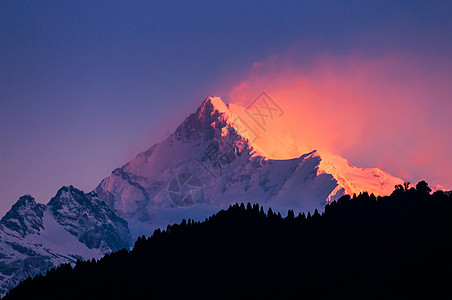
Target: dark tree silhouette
x: 360, y: 247
x: 423, y: 188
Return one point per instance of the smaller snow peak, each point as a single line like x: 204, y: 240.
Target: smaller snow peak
x: 89, y: 219
x: 24, y: 217
x: 26, y: 200
x: 69, y: 196
x: 68, y: 192
x: 69, y: 189
x: 25, y: 203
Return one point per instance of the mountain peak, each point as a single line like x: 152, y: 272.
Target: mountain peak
x: 233, y: 159
x: 212, y: 108
x: 88, y: 218
x: 24, y: 217
x: 212, y: 104
x: 26, y: 200
x: 211, y: 116
x: 35, y: 237
x: 69, y: 189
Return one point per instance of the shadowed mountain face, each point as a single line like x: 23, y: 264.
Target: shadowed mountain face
x: 214, y: 146
x: 73, y: 225
x: 24, y: 217
x: 90, y: 220
x: 212, y: 160
x: 394, y: 247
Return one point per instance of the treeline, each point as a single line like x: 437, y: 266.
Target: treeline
x: 394, y: 247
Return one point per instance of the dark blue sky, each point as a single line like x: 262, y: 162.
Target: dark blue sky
x: 86, y: 85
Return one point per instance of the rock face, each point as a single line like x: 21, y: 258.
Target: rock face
x: 25, y: 217
x: 212, y: 146
x: 89, y: 219
x: 212, y: 160
x: 73, y: 225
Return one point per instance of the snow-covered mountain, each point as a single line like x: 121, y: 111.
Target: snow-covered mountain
x: 73, y: 225
x: 216, y: 158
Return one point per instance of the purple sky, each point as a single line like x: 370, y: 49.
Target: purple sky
x: 86, y: 85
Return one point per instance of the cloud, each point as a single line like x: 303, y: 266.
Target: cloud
x: 391, y: 111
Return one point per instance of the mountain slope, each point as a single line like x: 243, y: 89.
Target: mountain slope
x: 396, y: 247
x: 73, y: 225
x: 216, y: 147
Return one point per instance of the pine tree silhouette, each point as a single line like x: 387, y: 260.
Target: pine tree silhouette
x: 360, y: 247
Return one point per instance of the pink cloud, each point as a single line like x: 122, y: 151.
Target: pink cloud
x: 392, y: 112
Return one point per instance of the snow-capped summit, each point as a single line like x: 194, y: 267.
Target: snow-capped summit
x: 219, y: 155
x: 211, y: 115
x: 24, y: 217
x: 220, y: 147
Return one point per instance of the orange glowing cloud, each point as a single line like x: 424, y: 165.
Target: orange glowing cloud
x: 391, y: 112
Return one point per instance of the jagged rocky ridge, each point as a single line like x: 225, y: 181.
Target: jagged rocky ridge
x: 212, y: 147
x: 35, y: 237
x: 208, y: 163
x: 394, y: 247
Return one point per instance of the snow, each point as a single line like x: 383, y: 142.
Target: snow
x: 218, y: 104
x: 437, y: 187
x: 356, y: 180
x: 220, y: 146
x: 49, y: 247
x: 257, y: 172
x: 33, y: 240
x: 58, y: 240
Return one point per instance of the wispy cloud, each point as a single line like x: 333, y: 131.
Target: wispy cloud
x: 391, y: 111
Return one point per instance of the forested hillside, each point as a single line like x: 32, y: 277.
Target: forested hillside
x: 396, y: 247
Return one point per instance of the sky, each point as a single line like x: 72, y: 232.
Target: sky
x: 87, y: 85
